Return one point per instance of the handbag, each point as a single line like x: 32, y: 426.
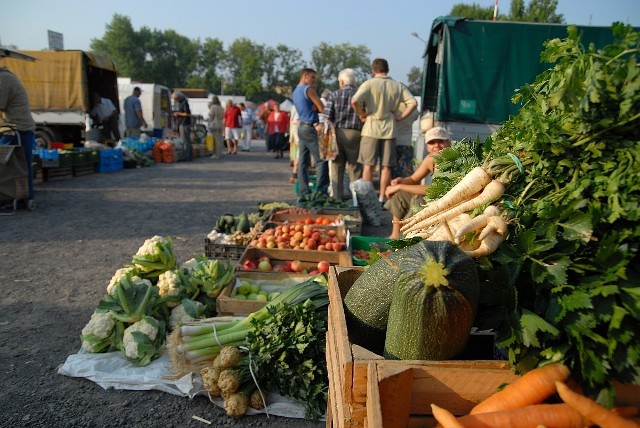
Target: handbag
x: 328, y: 144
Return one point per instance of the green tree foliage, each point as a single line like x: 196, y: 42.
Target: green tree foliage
x: 414, y: 79
x: 472, y: 11
x: 536, y: 11
x: 281, y: 68
x: 328, y: 60
x: 124, y: 46
x: 243, y: 68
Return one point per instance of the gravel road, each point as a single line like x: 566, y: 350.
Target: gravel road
x: 57, y: 260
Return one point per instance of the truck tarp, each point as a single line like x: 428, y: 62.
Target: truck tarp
x: 472, y: 68
x: 58, y: 80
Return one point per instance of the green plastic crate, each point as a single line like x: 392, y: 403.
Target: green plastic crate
x: 366, y: 243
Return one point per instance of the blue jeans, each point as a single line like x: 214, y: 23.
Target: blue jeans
x: 28, y: 141
x: 308, y: 147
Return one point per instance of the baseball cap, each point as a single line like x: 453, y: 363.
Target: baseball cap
x: 137, y: 88
x: 436, y: 133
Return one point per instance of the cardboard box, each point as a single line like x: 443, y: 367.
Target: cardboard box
x: 456, y: 384
x: 226, y: 304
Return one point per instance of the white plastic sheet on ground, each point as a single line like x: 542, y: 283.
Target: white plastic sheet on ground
x: 112, y: 370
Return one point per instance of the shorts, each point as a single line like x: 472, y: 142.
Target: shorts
x: 232, y: 134
x: 372, y: 149
x: 401, y: 203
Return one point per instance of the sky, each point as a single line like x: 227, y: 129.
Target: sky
x: 384, y: 26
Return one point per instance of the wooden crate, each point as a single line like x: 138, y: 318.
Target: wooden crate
x: 348, y: 367
x: 366, y: 390
x: 309, y: 258
x: 227, y: 305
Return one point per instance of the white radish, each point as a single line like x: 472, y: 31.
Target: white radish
x: 495, y: 224
x: 491, y: 192
x: 476, y: 223
x: 471, y: 184
x: 487, y: 245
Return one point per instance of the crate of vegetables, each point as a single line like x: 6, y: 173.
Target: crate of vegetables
x: 305, y: 238
x: 364, y: 247
x: 250, y: 291
x: 290, y: 261
x: 348, y: 366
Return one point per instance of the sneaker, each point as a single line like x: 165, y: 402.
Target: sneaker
x: 215, y: 157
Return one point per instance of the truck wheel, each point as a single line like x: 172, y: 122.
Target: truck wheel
x: 44, y: 137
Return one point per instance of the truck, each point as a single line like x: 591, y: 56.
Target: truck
x: 59, y: 85
x: 472, y: 68
x: 156, y: 105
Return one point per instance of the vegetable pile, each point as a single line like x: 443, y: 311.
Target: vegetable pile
x: 147, y: 298
x: 565, y: 284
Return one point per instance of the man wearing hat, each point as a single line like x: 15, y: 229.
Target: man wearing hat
x: 133, y: 117
x: 403, y: 192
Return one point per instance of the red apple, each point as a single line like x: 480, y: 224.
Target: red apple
x: 323, y: 266
x: 249, y: 265
x: 315, y: 272
x: 296, y: 266
x: 337, y: 246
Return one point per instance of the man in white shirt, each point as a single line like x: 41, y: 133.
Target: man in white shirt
x: 105, y: 114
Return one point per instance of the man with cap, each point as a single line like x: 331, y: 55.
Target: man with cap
x: 403, y: 192
x: 133, y: 117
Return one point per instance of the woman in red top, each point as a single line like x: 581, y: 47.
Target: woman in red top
x: 232, y: 123
x: 278, y: 125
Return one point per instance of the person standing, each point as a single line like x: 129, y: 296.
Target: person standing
x: 263, y: 118
x: 347, y: 124
x: 381, y: 97
x: 294, y: 124
x: 247, y: 127
x: 215, y: 125
x: 14, y: 104
x: 133, y: 117
x: 232, y: 123
x: 308, y: 105
x: 105, y: 114
x: 182, y: 114
x: 404, y: 144
x: 278, y: 125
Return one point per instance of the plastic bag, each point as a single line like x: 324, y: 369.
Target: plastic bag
x: 367, y: 201
x: 328, y: 144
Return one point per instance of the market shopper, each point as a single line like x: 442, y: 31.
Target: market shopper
x: 246, y: 136
x: 339, y: 112
x: 278, y: 125
x: 376, y: 102
x: 182, y: 115
x: 16, y: 113
x: 308, y: 105
x: 403, y: 192
x: 215, y: 124
x: 105, y: 114
x: 133, y: 117
x: 232, y: 123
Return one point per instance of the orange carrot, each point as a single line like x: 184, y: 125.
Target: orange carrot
x: 445, y: 418
x: 549, y: 415
x: 626, y: 411
x: 591, y: 410
x: 533, y: 387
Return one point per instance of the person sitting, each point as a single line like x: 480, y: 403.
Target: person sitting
x: 403, y: 192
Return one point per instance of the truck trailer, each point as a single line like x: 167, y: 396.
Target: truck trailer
x: 59, y: 84
x: 156, y: 105
x: 472, y: 68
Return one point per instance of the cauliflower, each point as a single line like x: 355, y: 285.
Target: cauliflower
x: 148, y: 327
x: 189, y: 265
x: 149, y: 246
x: 99, y: 328
x: 120, y: 273
x: 169, y: 284
x: 181, y: 315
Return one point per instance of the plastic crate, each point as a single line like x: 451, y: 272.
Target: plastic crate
x: 220, y: 251
x: 110, y: 160
x: 312, y: 185
x: 366, y: 243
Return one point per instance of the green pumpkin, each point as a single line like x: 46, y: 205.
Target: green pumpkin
x: 434, y: 303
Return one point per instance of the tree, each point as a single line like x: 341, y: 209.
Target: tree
x: 282, y: 66
x: 414, y: 79
x: 243, y: 68
x: 123, y: 45
x: 171, y: 58
x: 328, y: 60
x: 210, y: 66
x: 472, y: 11
x: 536, y: 11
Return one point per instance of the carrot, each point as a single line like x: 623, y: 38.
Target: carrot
x: 533, y: 387
x: 550, y: 415
x: 490, y: 193
x: 470, y: 184
x: 445, y: 418
x: 626, y: 411
x: 591, y: 410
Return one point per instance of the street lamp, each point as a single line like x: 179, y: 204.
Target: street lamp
x: 414, y: 34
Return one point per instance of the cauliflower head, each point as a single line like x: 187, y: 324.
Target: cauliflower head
x: 149, y: 246
x: 148, y: 327
x: 169, y: 284
x: 120, y: 273
x: 96, y: 332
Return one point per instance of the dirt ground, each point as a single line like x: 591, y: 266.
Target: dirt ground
x: 57, y: 260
